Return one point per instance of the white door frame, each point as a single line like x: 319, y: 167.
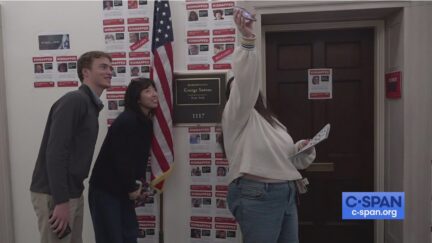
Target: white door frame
x: 379, y: 87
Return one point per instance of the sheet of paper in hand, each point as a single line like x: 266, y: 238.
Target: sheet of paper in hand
x: 319, y: 137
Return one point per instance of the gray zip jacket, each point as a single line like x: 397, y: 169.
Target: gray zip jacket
x: 67, y: 147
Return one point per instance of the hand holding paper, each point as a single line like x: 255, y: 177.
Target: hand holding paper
x: 303, y: 144
x: 319, y: 137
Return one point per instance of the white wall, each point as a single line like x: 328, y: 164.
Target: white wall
x: 28, y: 107
x: 417, y: 87
x: 6, y: 216
x: 394, y: 139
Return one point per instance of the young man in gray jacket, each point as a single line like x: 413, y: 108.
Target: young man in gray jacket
x: 66, y: 152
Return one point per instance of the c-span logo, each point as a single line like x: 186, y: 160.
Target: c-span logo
x: 373, y: 205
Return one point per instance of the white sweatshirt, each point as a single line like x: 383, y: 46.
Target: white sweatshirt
x: 253, y: 146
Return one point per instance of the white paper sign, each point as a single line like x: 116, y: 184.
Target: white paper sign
x: 319, y: 137
x: 320, y: 82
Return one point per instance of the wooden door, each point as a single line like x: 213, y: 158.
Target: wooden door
x: 345, y: 162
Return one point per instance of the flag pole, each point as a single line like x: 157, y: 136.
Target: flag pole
x: 161, y: 231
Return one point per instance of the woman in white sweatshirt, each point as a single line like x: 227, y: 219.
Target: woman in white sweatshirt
x: 262, y: 192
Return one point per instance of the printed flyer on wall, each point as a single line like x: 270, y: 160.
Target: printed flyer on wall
x: 114, y: 34
x: 115, y: 105
x: 223, y: 48
x: 226, y: 230
x: 67, y: 71
x: 221, y: 206
x: 120, y: 75
x: 320, y: 82
x: 197, y: 15
x: 51, y: 71
x: 116, y: 8
x: 222, y: 14
x: 201, y: 228
x: 201, y: 199
x: 210, y: 35
x: 198, y: 53
x: 204, y: 229
x: 147, y: 229
x: 211, y: 220
x: 199, y: 139
x: 200, y: 169
x: 127, y: 33
x: 147, y: 211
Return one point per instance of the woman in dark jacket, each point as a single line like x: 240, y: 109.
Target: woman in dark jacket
x: 121, y: 165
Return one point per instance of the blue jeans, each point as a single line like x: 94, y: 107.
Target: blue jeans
x: 114, y: 218
x: 266, y: 212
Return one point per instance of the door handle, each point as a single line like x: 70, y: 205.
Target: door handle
x: 321, y: 167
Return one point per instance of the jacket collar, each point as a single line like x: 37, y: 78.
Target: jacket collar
x: 93, y: 97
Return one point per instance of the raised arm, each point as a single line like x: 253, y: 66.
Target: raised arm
x: 245, y: 88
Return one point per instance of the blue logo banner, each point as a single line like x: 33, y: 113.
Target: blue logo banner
x: 373, y: 205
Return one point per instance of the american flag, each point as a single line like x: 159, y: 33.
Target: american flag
x: 162, y: 155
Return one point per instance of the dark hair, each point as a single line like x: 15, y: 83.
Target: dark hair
x: 228, y: 87
x: 86, y: 61
x: 264, y: 111
x: 193, y: 16
x: 217, y: 11
x: 133, y: 93
x: 259, y: 105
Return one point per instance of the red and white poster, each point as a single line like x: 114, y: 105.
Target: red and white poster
x: 112, y: 9
x: 117, y: 8
x: 115, y: 101
x: 212, y: 220
x: 51, y: 71
x: 67, y: 75
x: 223, y: 49
x: 198, y: 15
x: 120, y: 75
x: 201, y: 170
x: 127, y: 33
x: 320, y: 84
x: 222, y: 14
x: 43, y: 72
x: 201, y: 228
x: 221, y: 206
x: 221, y: 170
x: 201, y: 199
x: 114, y: 34
x: 198, y: 53
x: 226, y: 230
x: 210, y: 35
x: 137, y: 8
x: 139, y: 68
x: 139, y: 37
x: 199, y: 139
x: 147, y: 228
